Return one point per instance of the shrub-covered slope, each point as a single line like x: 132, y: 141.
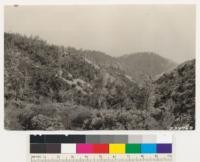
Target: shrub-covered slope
x: 172, y: 99
x: 52, y: 87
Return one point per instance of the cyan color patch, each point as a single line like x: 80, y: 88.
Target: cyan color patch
x: 148, y: 148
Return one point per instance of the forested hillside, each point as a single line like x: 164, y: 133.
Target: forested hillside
x: 49, y: 87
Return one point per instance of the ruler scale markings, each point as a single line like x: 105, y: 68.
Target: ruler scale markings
x: 113, y: 157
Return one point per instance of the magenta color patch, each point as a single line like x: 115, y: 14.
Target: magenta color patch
x: 84, y: 148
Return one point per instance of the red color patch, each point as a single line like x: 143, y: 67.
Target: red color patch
x: 101, y: 148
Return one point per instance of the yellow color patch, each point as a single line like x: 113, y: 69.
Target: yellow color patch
x: 117, y: 148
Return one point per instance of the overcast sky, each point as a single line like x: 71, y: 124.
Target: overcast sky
x: 168, y: 30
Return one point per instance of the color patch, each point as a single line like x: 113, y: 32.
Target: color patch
x: 106, y: 139
x: 37, y: 139
x: 68, y: 148
x: 133, y: 148
x: 117, y: 148
x: 164, y: 139
x: 53, y: 148
x: 149, y: 139
x: 54, y: 138
x: 135, y: 139
x: 84, y: 148
x: 164, y: 148
x: 148, y: 148
x: 101, y: 148
x: 92, y: 139
x: 120, y: 139
x: 37, y: 148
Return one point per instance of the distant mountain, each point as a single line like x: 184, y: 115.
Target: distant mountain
x: 143, y: 65
x: 139, y: 66
x: 172, y: 99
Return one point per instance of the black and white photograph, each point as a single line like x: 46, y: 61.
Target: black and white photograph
x: 99, y: 67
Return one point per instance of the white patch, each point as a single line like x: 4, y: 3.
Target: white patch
x: 70, y: 75
x: 76, y: 81
x: 91, y: 63
x: 129, y: 77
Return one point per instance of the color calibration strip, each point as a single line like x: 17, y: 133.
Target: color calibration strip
x: 100, y: 144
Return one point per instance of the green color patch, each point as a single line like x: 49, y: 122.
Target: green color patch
x: 133, y: 148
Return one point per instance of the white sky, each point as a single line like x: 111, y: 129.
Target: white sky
x: 168, y: 30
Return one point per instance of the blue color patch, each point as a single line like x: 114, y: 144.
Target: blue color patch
x: 148, y: 148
